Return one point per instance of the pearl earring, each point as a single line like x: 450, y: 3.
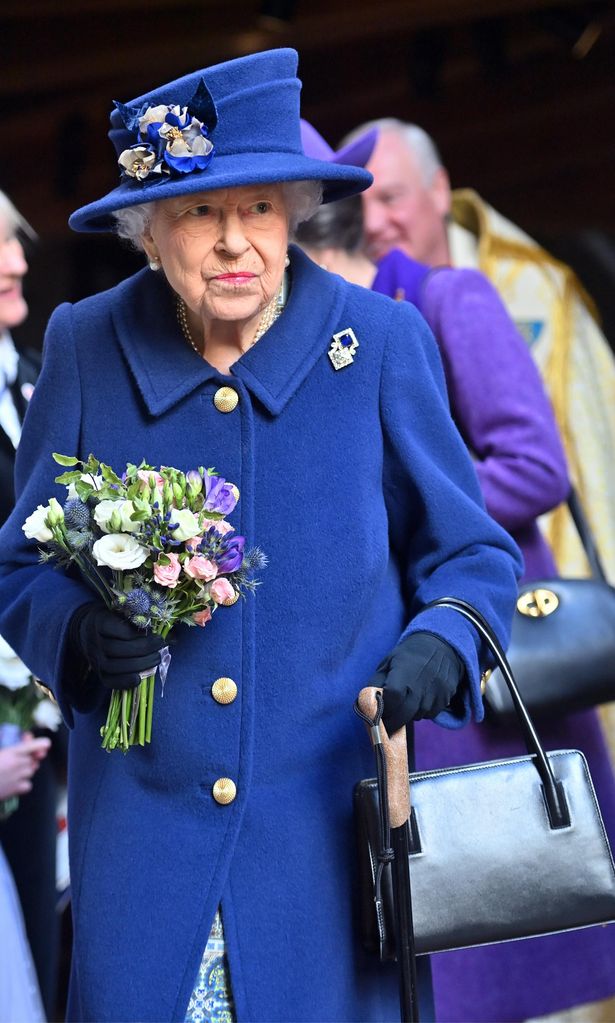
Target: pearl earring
x: 154, y: 264
x: 287, y: 261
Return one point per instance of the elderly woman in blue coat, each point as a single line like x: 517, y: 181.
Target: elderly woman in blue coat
x: 326, y: 404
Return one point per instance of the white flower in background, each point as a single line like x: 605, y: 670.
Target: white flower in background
x: 187, y: 524
x: 122, y: 510
x: 120, y: 551
x: 35, y: 526
x: 46, y: 715
x: 94, y: 481
x: 13, y: 672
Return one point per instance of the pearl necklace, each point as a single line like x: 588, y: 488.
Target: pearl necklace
x: 268, y: 317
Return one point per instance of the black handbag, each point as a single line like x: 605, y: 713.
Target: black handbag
x: 562, y: 646
x: 501, y: 850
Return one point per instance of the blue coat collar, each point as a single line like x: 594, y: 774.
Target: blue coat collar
x: 166, y: 370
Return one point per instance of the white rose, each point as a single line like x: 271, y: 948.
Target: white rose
x: 94, y: 481
x: 105, y: 509
x: 120, y: 551
x: 47, y: 715
x: 187, y: 524
x: 35, y: 528
x: 13, y: 672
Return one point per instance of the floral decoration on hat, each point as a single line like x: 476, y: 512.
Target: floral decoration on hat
x: 171, y: 140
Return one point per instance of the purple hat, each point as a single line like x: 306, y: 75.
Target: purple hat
x: 355, y: 154
x: 233, y: 124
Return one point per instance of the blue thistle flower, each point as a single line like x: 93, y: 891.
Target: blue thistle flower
x: 255, y: 559
x: 138, y: 603
x: 76, y: 514
x: 79, y: 539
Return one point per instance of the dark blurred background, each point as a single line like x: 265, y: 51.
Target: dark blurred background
x: 519, y: 95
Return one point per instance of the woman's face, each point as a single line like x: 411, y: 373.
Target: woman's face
x: 222, y: 251
x: 13, y: 266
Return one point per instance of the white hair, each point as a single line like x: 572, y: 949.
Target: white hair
x: 14, y: 218
x: 416, y: 140
x: 302, y: 200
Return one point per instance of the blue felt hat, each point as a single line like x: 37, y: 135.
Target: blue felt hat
x: 233, y: 124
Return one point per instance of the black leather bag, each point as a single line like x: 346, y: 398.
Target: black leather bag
x: 500, y: 850
x: 562, y: 647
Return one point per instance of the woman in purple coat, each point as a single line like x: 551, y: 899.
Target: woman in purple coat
x: 502, y: 411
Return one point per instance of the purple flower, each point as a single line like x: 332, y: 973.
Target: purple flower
x: 232, y: 558
x: 220, y: 496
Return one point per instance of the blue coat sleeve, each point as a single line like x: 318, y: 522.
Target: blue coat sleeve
x: 439, y: 527
x: 31, y: 593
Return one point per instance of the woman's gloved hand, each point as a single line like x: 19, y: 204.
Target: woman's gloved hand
x: 420, y: 678
x: 115, y: 650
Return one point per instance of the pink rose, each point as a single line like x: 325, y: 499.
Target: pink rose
x: 219, y: 525
x: 202, y: 617
x: 146, y: 475
x: 167, y: 575
x: 193, y: 543
x: 199, y: 567
x: 221, y: 590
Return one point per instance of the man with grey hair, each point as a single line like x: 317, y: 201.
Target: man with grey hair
x: 407, y: 206
x: 411, y: 207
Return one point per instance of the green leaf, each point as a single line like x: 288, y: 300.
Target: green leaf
x: 108, y: 474
x: 84, y: 489
x: 69, y: 477
x: 163, y: 559
x: 92, y: 464
x: 65, y: 459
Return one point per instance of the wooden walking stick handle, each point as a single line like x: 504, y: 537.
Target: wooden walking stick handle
x: 396, y: 755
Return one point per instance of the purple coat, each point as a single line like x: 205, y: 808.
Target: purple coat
x: 502, y: 411
x: 496, y: 394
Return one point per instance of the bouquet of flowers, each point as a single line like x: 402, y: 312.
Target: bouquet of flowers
x: 23, y: 706
x: 154, y: 544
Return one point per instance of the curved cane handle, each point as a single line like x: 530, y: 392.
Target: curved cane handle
x: 396, y: 755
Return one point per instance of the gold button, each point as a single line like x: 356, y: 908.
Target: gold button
x: 226, y: 399
x: 224, y: 690
x: 231, y: 600
x: 224, y: 791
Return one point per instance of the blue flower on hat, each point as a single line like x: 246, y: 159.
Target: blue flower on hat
x: 170, y: 140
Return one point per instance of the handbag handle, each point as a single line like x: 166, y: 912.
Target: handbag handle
x: 555, y: 798
x: 586, y: 535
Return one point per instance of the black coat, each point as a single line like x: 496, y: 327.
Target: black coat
x: 27, y: 372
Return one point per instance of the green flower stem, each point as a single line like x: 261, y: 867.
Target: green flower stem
x: 111, y: 726
x: 149, y: 684
x: 125, y: 715
x: 142, y: 713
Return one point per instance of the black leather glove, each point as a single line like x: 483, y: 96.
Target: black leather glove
x: 115, y: 650
x: 420, y: 678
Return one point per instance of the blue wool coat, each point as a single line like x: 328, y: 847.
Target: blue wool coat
x: 359, y: 488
